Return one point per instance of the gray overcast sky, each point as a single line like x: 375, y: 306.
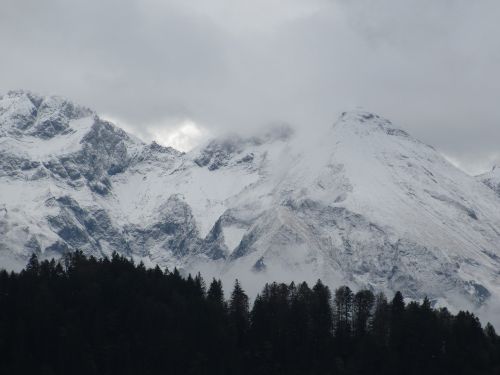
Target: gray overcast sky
x: 172, y: 68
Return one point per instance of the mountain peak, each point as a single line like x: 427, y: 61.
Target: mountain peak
x: 359, y: 114
x: 22, y: 93
x: 21, y: 96
x: 23, y: 112
x: 366, y: 122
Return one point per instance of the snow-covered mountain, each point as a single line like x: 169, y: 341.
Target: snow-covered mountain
x: 362, y: 203
x: 492, y: 179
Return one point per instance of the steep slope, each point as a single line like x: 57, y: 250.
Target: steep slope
x: 55, y: 158
x: 492, y: 179
x: 370, y: 206
x: 361, y: 203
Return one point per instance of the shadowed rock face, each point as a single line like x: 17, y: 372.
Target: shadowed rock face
x: 364, y: 204
x: 218, y: 153
x: 102, y: 151
x: 174, y: 233
x: 233, y: 149
x: 91, y: 230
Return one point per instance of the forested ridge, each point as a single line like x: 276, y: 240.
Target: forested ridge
x: 111, y: 316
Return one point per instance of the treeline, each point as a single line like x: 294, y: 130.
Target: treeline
x: 110, y: 316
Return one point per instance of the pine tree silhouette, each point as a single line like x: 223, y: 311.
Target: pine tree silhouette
x: 109, y: 316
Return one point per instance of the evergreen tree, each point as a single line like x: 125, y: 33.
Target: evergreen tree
x: 321, y: 324
x: 301, y: 335
x: 200, y: 285
x: 468, y: 344
x: 343, y: 312
x: 398, y: 306
x: 215, y: 294
x: 397, y: 332
x: 321, y: 309
x: 33, y: 267
x: 239, y: 313
x: 493, y: 347
x: 110, y: 316
x: 490, y: 332
x: 381, y: 320
x: 362, y: 309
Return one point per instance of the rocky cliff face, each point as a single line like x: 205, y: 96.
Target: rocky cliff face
x: 362, y: 204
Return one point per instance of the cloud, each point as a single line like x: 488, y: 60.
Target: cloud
x: 184, y: 137
x: 183, y: 134
x: 231, y: 65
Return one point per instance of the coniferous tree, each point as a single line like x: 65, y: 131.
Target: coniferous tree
x: 321, y: 323
x: 397, y: 332
x: 239, y: 313
x: 322, y: 308
x: 200, y: 285
x: 301, y: 327
x: 398, y: 306
x: 343, y: 313
x: 33, y: 267
x: 110, y: 316
x: 493, y: 346
x: 362, y: 310
x: 468, y: 345
x: 381, y: 320
x: 215, y: 293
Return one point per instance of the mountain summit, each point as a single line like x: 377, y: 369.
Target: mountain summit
x: 363, y: 203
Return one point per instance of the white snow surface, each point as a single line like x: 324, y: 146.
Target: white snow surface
x: 362, y: 203
x: 492, y: 179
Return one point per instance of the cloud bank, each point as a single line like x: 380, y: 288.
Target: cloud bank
x: 232, y: 65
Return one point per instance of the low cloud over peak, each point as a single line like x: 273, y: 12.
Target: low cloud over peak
x: 222, y: 65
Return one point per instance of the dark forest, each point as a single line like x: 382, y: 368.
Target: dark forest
x: 111, y: 316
